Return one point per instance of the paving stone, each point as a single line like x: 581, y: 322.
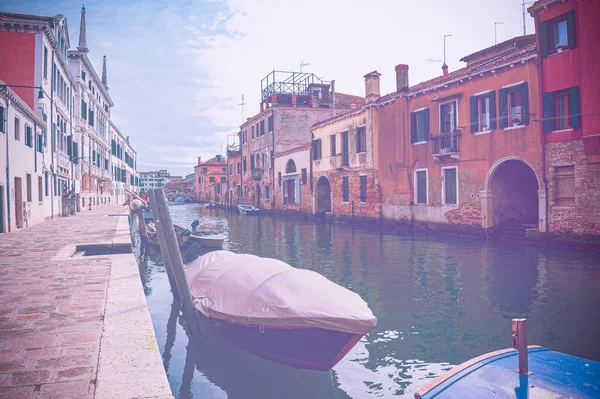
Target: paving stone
x: 79, y: 338
x: 67, y: 390
x: 16, y: 393
x: 75, y: 373
x: 28, y: 378
x: 14, y: 365
x: 32, y: 341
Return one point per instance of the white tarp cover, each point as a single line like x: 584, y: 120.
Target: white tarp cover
x: 250, y: 290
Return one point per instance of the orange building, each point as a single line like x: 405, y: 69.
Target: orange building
x: 234, y: 176
x: 202, y: 181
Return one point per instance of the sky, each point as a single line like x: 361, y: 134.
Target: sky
x: 177, y: 69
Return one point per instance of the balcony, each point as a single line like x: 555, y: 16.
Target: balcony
x: 446, y: 146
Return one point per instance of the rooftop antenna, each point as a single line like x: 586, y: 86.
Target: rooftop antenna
x: 525, y: 13
x: 302, y: 65
x: 445, y: 36
x: 242, y: 104
x: 495, y: 33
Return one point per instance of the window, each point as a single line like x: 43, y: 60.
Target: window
x: 448, y: 117
x: 204, y: 169
x: 270, y: 123
x: 245, y: 164
x: 345, y: 189
x: 316, y: 149
x: 363, y: 188
x: 361, y: 139
x: 230, y: 169
x: 304, y: 176
x: 252, y: 162
x: 419, y: 126
x: 45, y: 62
x: 514, y: 105
x: 279, y: 178
x: 290, y: 167
x: 2, y: 111
x: 557, y: 34
x: 17, y: 129
x: 224, y: 169
x: 289, y: 195
x: 29, y: 195
x: 561, y: 109
x: 40, y: 143
x: 83, y: 75
x: 332, y: 143
x: 252, y: 132
x: 46, y: 184
x: 223, y: 179
x: 266, y: 192
x: 40, y: 189
x: 212, y: 180
x: 28, y: 136
x: 83, y: 109
x: 565, y: 186
x: 262, y: 127
x: 450, y: 186
x: 483, y: 112
x: 239, y: 168
x: 421, y: 189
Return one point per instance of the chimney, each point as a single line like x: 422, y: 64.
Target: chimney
x: 372, y: 86
x: 445, y: 70
x: 199, y: 160
x: 401, y: 77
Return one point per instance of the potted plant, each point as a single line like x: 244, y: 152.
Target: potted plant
x: 516, y: 121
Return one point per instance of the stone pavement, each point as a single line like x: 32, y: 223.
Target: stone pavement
x: 52, y: 307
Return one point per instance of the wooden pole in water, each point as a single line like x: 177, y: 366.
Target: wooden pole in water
x: 170, y: 250
x: 158, y: 225
x: 519, y: 329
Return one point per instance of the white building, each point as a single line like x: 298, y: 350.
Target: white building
x: 124, y: 163
x: 25, y: 187
x: 154, y: 179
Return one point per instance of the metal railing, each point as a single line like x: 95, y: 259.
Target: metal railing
x: 446, y: 145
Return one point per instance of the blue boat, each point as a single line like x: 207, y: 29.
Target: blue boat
x: 496, y: 375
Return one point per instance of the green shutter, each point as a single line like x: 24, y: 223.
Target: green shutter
x: 492, y: 96
x: 421, y: 187
x: 548, y: 108
x: 426, y: 124
x: 75, y: 153
x: 543, y: 38
x: 70, y: 146
x: 413, y: 127
x: 474, y: 117
x: 574, y: 110
x: 450, y: 186
x: 524, y: 103
x: 571, y: 29
x: 503, y: 108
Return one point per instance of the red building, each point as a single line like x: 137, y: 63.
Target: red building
x: 568, y: 41
x: 217, y: 167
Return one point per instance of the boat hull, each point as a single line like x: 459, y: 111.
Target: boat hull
x: 208, y: 242
x: 303, y: 348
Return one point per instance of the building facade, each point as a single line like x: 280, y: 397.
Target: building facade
x: 153, y: 179
x: 217, y: 167
x: 25, y: 187
x: 125, y: 177
x: 234, y: 175
x: 287, y: 111
x: 567, y: 43
x: 292, y: 173
x: 35, y: 55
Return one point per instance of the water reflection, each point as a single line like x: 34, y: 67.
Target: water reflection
x: 439, y: 301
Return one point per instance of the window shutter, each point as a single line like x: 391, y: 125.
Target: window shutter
x: 571, y: 36
x: 503, y: 108
x: 426, y: 124
x: 2, y: 120
x: 70, y: 146
x: 282, y: 185
x: 543, y: 35
x: 574, y: 117
x: 492, y: 110
x: 297, y: 186
x: 413, y: 127
x: 548, y: 108
x: 525, y: 103
x: 75, y: 153
x: 474, y: 115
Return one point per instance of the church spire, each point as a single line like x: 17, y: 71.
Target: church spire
x: 104, y: 79
x: 82, y: 34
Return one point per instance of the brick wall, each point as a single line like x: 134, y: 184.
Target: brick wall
x: 584, y: 216
x: 369, y: 209
x: 306, y: 199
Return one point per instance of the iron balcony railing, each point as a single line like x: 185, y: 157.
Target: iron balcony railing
x: 284, y: 82
x: 446, y: 145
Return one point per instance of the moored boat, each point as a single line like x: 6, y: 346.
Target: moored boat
x: 247, y: 209
x: 183, y: 235
x: 292, y: 316
x: 520, y: 372
x: 208, y: 239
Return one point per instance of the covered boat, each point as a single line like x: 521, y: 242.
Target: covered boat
x: 293, y: 316
x: 247, y: 209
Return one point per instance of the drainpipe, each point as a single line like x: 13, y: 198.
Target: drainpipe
x: 7, y: 165
x: 52, y: 141
x: 542, y: 133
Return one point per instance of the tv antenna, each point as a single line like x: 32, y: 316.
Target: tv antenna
x: 525, y: 13
x: 495, y: 32
x: 303, y: 64
x: 445, y: 36
x: 242, y: 104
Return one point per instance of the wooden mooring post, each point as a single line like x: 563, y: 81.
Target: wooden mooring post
x: 169, y: 248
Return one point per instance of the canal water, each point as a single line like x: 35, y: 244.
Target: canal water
x: 439, y: 301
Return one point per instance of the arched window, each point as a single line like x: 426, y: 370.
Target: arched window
x: 290, y: 167
x: 257, y: 161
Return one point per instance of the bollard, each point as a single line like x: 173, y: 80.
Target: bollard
x: 519, y: 330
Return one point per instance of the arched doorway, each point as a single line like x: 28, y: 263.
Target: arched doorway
x: 323, y: 195
x: 511, y: 195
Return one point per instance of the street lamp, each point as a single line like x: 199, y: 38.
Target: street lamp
x: 40, y: 93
